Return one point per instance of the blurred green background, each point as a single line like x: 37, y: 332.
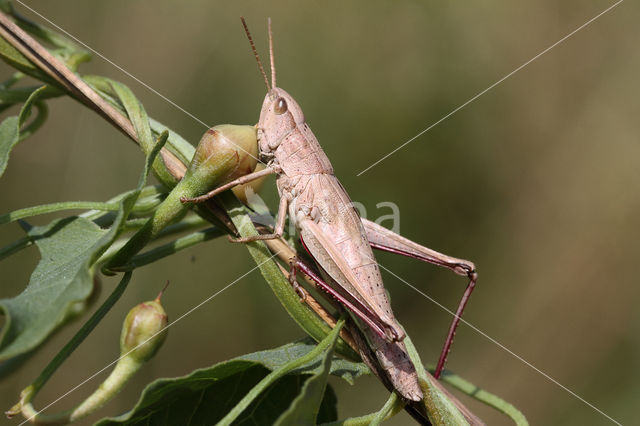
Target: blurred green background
x: 537, y: 182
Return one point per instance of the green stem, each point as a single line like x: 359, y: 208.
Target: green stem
x: 133, y: 224
x: 70, y: 205
x: 123, y: 371
x: 483, y: 396
x: 167, y: 213
x: 207, y: 170
x: 34, y: 125
x: 187, y: 224
x: 29, y: 393
x: 142, y: 206
x: 55, y: 207
x: 14, y: 247
x: 392, y: 407
x: 15, y: 77
x: 83, y: 332
x: 324, y: 345
x: 148, y: 200
x: 173, y: 247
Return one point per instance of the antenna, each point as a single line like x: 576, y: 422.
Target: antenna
x: 255, y: 52
x: 273, y: 64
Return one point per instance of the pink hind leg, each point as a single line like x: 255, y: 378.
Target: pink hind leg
x: 383, y: 239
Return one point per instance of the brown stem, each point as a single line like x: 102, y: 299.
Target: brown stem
x: 76, y: 87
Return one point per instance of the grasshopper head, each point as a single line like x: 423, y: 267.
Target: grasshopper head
x: 279, y: 116
x: 280, y: 113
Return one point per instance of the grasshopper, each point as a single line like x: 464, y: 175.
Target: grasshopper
x: 339, y: 241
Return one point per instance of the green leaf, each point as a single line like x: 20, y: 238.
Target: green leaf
x: 55, y: 207
x: 17, y: 60
x: 27, y: 394
x: 10, y: 128
x: 148, y: 199
x: 311, y: 357
x: 140, y: 120
x: 305, y: 408
x: 64, y: 276
x: 206, y: 395
x: 176, y: 143
x: 15, y: 95
x: 71, y: 53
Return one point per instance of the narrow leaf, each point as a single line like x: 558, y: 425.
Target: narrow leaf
x: 10, y: 133
x: 176, y: 143
x: 56, y: 207
x: 138, y: 117
x: 17, y: 60
x: 485, y: 397
x: 441, y: 408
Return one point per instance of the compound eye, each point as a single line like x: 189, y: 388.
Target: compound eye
x: 281, y: 106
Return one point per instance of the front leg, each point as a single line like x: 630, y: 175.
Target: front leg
x: 383, y: 239
x: 240, y: 181
x: 278, y: 231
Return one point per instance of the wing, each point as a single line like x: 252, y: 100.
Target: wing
x: 337, y: 241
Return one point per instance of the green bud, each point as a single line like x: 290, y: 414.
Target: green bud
x: 225, y: 153
x: 141, y: 331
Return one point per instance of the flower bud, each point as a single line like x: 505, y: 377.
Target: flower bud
x: 143, y: 331
x: 224, y: 153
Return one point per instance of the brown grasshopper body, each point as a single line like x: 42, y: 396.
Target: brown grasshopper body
x: 331, y: 229
x: 337, y: 238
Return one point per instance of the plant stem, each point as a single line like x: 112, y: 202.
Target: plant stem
x: 123, y: 371
x: 32, y: 390
x: 483, y: 396
x: 174, y: 247
x: 392, y: 407
x: 387, y: 409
